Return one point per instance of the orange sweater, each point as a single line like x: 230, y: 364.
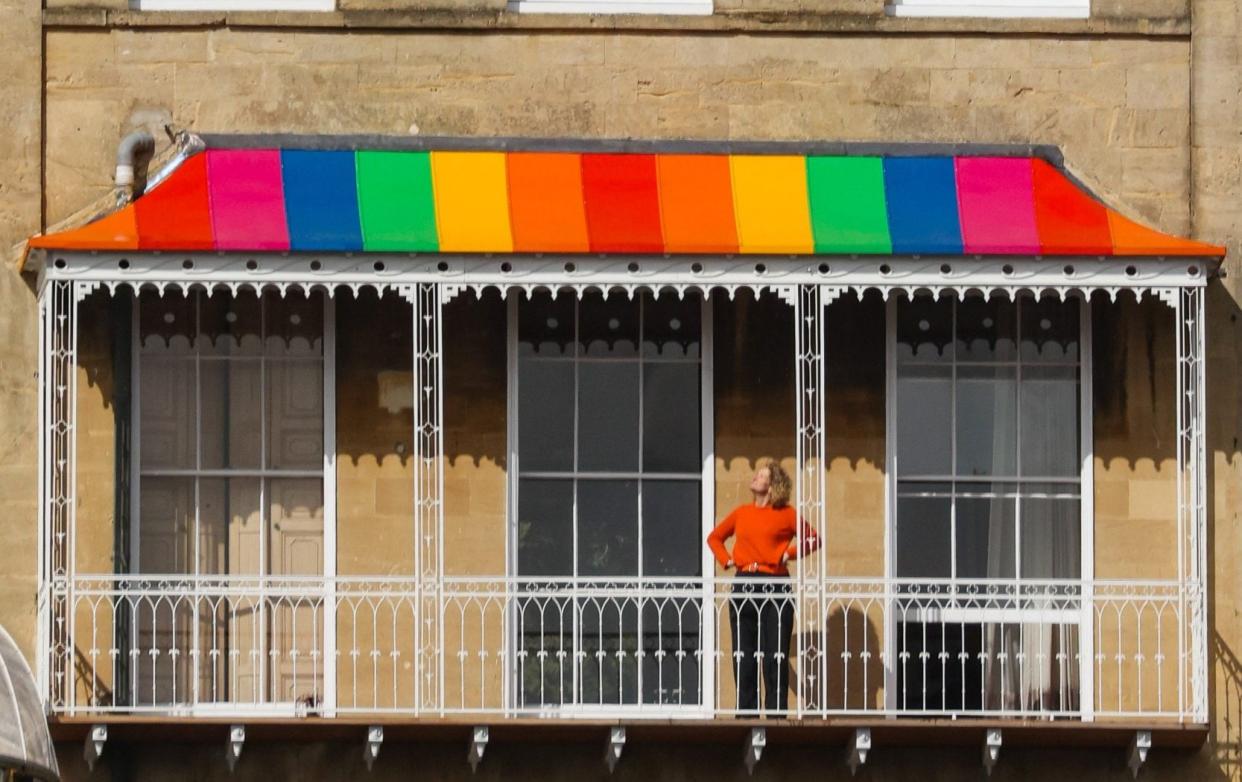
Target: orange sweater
x: 760, y: 537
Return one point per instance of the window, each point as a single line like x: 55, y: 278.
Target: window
x: 988, y: 489
x: 609, y: 487
x: 230, y: 478
x: 1066, y: 9
x: 682, y: 7
x: 234, y: 5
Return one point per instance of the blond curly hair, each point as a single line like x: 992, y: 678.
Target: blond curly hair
x: 780, y: 485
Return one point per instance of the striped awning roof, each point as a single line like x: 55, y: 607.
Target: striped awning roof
x: 452, y: 201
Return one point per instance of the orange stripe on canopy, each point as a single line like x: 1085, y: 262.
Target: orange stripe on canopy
x: 545, y: 202
x: 696, y: 204
x: 117, y: 231
x: 1130, y: 238
x: 1069, y: 221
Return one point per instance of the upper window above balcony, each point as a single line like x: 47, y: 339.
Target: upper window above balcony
x: 234, y: 5
x: 1016, y: 9
x: 676, y: 7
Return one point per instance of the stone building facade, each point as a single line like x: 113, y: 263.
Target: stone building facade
x: 1142, y: 98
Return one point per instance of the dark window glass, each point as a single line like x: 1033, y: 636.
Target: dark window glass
x: 671, y: 418
x: 608, y: 327
x: 1049, y: 330
x: 986, y: 421
x: 925, y: 421
x: 925, y: 329
x: 607, y: 416
x: 986, y: 544
x: 1051, y: 538
x: 546, y: 326
x: 545, y: 416
x: 672, y: 535
x: 1050, y: 421
x: 607, y: 528
x: 923, y: 537
x: 986, y: 330
x: 671, y: 326
x: 545, y: 533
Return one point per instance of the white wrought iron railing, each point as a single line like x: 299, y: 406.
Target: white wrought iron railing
x: 621, y: 648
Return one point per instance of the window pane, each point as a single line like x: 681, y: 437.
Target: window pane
x: 1051, y: 539
x: 671, y: 326
x: 671, y: 418
x: 167, y: 525
x: 607, y: 416
x: 294, y: 324
x: 607, y: 528
x: 545, y: 528
x: 925, y: 329
x: 295, y: 515
x: 986, y: 537
x: 295, y: 414
x: 923, y: 529
x: 987, y: 406
x: 231, y: 405
x: 924, y: 421
x: 545, y: 416
x: 986, y: 330
x: 1050, y: 426
x: 230, y: 325
x: 672, y: 528
x: 167, y: 397
x: 1049, y: 330
x: 229, y: 526
x: 546, y: 326
x: 608, y: 327
x: 166, y: 324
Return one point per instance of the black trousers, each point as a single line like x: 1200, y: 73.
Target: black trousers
x: 761, y: 613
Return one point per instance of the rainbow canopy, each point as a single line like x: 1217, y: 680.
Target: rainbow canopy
x: 254, y: 200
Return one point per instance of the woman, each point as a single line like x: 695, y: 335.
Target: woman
x: 761, y: 610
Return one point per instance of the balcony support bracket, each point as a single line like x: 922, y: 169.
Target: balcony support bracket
x: 233, y: 747
x: 756, y: 741
x: 612, y: 750
x: 858, y: 749
x: 96, y: 738
x: 991, y: 749
x: 1140, y: 745
x: 371, y: 749
x: 478, y: 743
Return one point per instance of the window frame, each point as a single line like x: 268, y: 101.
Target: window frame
x: 992, y: 9
x: 706, y: 478
x: 672, y: 7
x: 234, y: 5
x: 326, y: 473
x: 1083, y: 614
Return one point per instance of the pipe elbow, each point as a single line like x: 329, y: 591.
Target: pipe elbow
x: 137, y: 147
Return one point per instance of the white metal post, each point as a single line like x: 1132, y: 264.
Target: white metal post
x: 327, y: 645
x: 1086, y: 493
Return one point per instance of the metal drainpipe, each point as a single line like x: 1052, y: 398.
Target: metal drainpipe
x: 137, y: 147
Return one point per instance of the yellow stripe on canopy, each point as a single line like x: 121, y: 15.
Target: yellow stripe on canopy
x: 770, y: 204
x: 472, y: 201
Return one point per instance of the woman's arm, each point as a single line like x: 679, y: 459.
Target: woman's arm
x: 808, y: 539
x: 717, y: 537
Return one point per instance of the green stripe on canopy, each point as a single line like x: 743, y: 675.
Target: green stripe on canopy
x: 848, y: 211
x: 396, y: 201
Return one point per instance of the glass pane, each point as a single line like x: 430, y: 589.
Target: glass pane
x: 924, y: 421
x: 987, y: 402
x: 671, y: 643
x: 986, y: 330
x: 671, y: 326
x: 295, y: 414
x: 229, y: 526
x: 607, y: 528
x: 167, y: 524
x: 672, y: 528
x: 923, y: 537
x: 231, y: 414
x: 294, y: 324
x: 545, y: 416
x: 295, y: 515
x: 1051, y: 538
x: 607, y: 416
x: 608, y: 327
x: 545, y: 528
x: 546, y: 326
x: 925, y: 329
x: 987, y: 540
x: 167, y: 413
x: 166, y: 324
x: 671, y: 418
x: 1050, y: 426
x: 1049, y: 330
x: 231, y: 325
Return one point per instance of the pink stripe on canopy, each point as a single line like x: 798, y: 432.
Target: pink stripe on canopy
x: 996, y: 204
x: 247, y: 199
